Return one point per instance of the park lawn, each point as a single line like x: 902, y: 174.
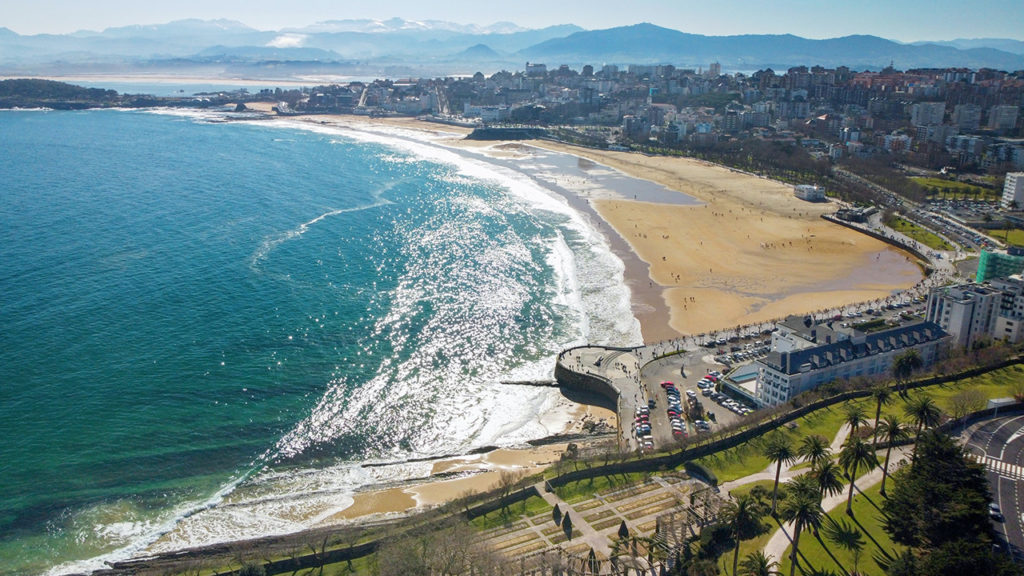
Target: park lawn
x: 865, y: 526
x: 1014, y: 237
x: 957, y: 189
x: 530, y: 507
x: 918, y: 233
x: 747, y: 459
x: 575, y: 492
x: 362, y: 565
x: 1002, y: 383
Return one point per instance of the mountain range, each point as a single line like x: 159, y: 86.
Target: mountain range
x: 398, y: 47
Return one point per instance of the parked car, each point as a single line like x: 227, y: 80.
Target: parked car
x: 994, y: 512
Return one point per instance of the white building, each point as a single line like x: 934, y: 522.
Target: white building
x: 805, y: 354
x: 810, y: 193
x: 969, y: 312
x: 1013, y: 191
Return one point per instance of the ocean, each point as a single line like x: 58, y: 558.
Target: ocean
x: 207, y: 327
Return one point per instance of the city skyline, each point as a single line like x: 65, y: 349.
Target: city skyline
x: 907, y: 21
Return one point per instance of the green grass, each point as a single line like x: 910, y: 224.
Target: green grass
x: 747, y: 459
x: 530, y: 507
x: 956, y: 189
x: 918, y: 233
x: 1014, y: 237
x: 581, y: 490
x: 866, y: 521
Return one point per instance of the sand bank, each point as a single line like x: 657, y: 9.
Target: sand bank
x: 463, y: 475
x: 750, y: 252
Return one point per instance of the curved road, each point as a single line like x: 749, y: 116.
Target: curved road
x: 999, y: 445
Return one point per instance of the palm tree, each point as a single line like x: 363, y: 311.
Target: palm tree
x: 854, y: 417
x: 856, y: 454
x: 924, y: 413
x: 905, y: 364
x: 883, y: 396
x: 893, y: 431
x: 829, y: 479
x: 804, y: 511
x: 814, y: 449
x: 778, y: 450
x: 743, y: 516
x: 805, y: 484
x: 757, y: 564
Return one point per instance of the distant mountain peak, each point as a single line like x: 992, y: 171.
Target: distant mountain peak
x: 479, y: 52
x: 390, y: 25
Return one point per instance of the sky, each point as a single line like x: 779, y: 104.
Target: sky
x: 901, y: 20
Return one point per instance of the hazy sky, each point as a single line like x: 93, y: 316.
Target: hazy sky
x: 904, y: 20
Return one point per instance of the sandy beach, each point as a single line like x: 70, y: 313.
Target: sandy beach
x: 731, y: 249
x: 462, y: 475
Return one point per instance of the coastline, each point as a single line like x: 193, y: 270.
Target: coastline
x: 777, y: 255
x: 659, y: 290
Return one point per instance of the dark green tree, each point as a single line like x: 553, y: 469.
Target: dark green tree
x: 923, y: 411
x: 804, y: 511
x: 893, y: 431
x: 814, y: 449
x: 778, y: 450
x: 882, y: 395
x: 856, y: 455
x: 743, y: 516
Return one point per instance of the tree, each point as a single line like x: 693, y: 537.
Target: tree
x: 905, y: 364
x: 938, y: 508
x: 757, y: 564
x: 567, y: 526
x: 507, y: 482
x: 804, y: 511
x: 814, y: 449
x: 924, y: 413
x: 828, y: 478
x: 623, y: 531
x: 854, y: 417
x: 967, y: 401
x: 556, y: 515
x: 893, y: 431
x: 778, y: 450
x: 743, y: 516
x: 882, y: 396
x: 856, y: 454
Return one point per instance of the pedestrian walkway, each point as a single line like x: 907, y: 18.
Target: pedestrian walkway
x: 1004, y: 469
x: 781, y: 540
x: 600, y: 543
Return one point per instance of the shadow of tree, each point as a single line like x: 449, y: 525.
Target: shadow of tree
x: 848, y: 537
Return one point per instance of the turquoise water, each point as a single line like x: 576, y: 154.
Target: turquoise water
x: 197, y: 314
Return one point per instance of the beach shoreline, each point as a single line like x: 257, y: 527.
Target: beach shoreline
x: 776, y: 257
x: 659, y: 289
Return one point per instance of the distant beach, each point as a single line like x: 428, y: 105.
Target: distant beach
x: 745, y: 251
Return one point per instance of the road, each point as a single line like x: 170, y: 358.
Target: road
x: 999, y: 444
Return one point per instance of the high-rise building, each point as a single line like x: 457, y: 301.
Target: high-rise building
x: 993, y: 264
x: 967, y: 116
x: 927, y: 113
x: 1013, y: 191
x: 1002, y: 118
x: 969, y: 312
